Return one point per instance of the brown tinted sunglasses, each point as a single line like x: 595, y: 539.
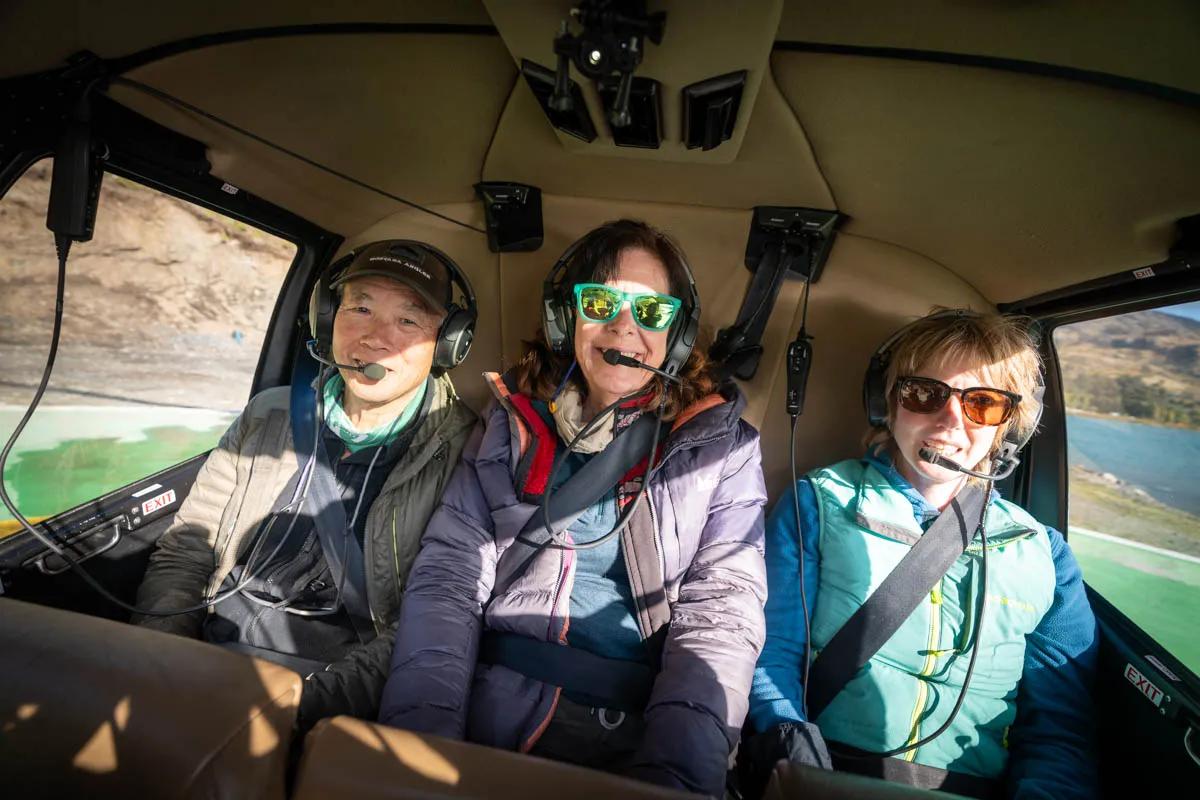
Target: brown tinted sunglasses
x: 980, y: 404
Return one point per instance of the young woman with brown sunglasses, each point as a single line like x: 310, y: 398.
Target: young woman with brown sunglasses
x: 957, y: 385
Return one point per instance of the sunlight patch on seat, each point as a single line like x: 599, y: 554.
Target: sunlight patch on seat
x: 416, y: 754
x: 99, y: 754
x: 264, y: 738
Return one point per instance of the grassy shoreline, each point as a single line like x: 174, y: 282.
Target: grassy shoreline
x: 1121, y: 510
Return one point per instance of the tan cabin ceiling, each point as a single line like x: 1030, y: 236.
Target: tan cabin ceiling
x: 1016, y: 183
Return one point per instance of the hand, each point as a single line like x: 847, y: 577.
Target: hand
x: 798, y: 742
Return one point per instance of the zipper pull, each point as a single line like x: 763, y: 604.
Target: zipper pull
x: 935, y: 595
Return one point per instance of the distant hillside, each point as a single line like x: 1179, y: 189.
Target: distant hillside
x: 168, y: 303
x: 1144, y: 365
x: 163, y: 262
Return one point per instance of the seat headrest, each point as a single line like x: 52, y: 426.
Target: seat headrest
x: 346, y: 757
x: 95, y: 708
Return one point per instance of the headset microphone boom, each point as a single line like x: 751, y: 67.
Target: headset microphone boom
x: 375, y: 372
x: 614, y: 357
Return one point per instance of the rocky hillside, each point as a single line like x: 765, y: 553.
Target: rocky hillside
x: 1144, y: 365
x: 168, y: 303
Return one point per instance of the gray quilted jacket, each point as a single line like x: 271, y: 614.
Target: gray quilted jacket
x: 700, y: 571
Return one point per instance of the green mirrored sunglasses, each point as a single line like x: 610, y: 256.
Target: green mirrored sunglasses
x: 597, y: 302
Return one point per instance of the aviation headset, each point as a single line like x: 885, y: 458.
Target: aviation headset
x: 558, y: 312
x: 454, y: 335
x: 875, y: 401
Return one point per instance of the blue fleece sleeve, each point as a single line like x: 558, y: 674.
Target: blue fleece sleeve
x: 775, y: 695
x: 1051, y: 742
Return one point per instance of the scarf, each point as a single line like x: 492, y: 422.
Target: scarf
x: 355, y: 440
x: 568, y: 419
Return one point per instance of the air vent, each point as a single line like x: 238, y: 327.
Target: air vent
x: 710, y: 110
x: 514, y: 215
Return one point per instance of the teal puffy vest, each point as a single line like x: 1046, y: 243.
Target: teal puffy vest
x: 907, y: 689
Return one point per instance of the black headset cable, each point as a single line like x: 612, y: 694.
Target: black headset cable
x: 559, y: 538
x: 801, y: 334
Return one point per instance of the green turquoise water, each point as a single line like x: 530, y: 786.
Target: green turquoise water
x: 68, y: 455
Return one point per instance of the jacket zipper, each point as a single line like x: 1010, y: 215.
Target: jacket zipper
x: 658, y: 548
x: 397, y: 481
x: 932, y: 652
x: 395, y: 555
x: 975, y: 550
x: 562, y: 579
x: 935, y: 624
x: 367, y: 575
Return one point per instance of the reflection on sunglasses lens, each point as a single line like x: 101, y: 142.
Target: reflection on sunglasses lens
x: 653, y: 312
x: 985, y: 407
x: 598, y: 304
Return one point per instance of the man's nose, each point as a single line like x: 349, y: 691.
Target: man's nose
x: 374, y: 335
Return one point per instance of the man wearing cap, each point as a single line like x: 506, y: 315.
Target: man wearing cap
x: 251, y: 536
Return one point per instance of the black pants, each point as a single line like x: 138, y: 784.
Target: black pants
x: 597, y: 738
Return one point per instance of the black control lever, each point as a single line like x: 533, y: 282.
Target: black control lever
x: 619, y: 116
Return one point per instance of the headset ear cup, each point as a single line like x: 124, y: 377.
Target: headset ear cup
x: 556, y: 322
x: 874, y: 396
x: 454, y: 339
x: 681, y: 348
x: 1018, y: 439
x: 313, y: 310
x: 323, y: 303
x: 322, y: 306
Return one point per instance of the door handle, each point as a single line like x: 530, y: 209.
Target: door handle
x: 91, y: 544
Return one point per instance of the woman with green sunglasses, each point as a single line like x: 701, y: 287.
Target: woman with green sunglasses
x: 627, y: 640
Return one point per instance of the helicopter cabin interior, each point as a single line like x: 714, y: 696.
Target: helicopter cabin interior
x: 1036, y: 158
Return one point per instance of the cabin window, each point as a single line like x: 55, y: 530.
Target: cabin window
x: 165, y: 313
x: 1132, y: 389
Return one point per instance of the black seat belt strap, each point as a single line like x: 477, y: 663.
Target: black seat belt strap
x: 582, y: 490
x: 596, y: 478
x: 585, y: 677
x: 895, y: 599
x: 323, y: 502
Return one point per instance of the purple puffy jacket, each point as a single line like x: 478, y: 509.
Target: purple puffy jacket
x: 705, y: 565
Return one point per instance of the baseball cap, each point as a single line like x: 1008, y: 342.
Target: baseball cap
x: 406, y: 262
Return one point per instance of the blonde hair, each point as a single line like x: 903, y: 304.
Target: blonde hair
x: 1001, y: 346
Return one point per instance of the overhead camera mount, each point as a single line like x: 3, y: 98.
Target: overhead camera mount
x: 611, y: 42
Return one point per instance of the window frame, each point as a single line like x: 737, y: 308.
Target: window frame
x: 162, y: 160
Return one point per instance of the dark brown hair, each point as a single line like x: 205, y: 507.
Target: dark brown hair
x: 596, y: 260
